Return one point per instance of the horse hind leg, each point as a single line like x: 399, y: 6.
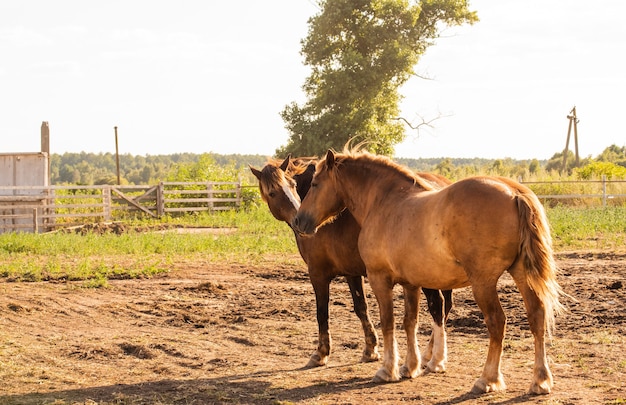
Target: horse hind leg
x: 491, y: 379
x: 536, y: 313
x: 370, y: 352
x: 321, y: 286
x: 435, y: 353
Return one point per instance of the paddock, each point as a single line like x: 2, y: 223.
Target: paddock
x: 242, y: 333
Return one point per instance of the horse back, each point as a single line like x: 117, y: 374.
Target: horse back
x: 468, y: 224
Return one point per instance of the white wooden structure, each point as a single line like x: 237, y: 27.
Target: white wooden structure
x: 22, y: 170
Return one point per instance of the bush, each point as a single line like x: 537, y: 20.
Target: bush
x: 599, y: 169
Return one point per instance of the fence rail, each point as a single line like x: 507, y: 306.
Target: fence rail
x: 41, y: 209
x: 607, y: 191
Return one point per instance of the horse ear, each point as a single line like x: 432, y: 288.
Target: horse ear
x: 330, y: 159
x: 285, y: 163
x: 256, y: 172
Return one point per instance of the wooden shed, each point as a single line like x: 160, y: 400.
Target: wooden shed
x: 24, y: 179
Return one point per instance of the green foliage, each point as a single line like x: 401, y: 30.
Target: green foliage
x: 100, y: 168
x: 613, y: 154
x: 456, y: 169
x: 90, y: 168
x: 360, y: 54
x: 204, y: 169
x: 601, y: 168
x: 555, y: 163
x: 534, y: 166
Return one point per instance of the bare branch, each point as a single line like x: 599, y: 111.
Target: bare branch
x: 423, y: 123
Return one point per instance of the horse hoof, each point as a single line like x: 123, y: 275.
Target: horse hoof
x: 482, y: 386
x: 406, y: 373
x: 316, y: 361
x: 541, y: 389
x: 436, y: 367
x: 383, y: 376
x: 369, y: 357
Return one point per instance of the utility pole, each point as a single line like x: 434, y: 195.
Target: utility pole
x: 117, y: 157
x: 573, y: 121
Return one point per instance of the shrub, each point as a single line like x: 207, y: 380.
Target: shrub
x: 599, y: 169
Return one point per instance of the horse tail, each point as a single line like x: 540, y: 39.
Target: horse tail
x: 538, y: 256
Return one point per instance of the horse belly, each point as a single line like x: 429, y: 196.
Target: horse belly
x: 428, y: 270
x: 412, y: 255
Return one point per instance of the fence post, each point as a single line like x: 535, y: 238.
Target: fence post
x: 209, y: 189
x: 603, y: 191
x: 107, y: 202
x: 238, y: 203
x: 160, y: 199
x: 35, y: 221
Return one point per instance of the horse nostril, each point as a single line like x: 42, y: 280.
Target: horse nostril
x: 296, y: 222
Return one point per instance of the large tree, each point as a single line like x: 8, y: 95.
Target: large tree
x: 360, y: 53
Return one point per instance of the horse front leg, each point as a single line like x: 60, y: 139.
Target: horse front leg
x: 321, y: 286
x: 487, y: 299
x: 435, y: 354
x: 411, y: 367
x: 370, y: 353
x: 382, y: 286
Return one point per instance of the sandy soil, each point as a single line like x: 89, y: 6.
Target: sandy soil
x: 207, y: 333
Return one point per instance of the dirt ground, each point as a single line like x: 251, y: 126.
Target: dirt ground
x: 207, y: 333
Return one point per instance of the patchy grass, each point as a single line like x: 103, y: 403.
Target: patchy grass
x: 255, y: 236
x: 97, y: 257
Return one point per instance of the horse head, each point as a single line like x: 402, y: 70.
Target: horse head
x: 323, y: 202
x: 278, y: 189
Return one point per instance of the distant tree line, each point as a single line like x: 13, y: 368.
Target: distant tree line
x: 100, y: 168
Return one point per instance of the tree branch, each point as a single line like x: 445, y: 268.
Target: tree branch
x: 423, y: 123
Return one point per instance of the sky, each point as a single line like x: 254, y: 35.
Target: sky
x: 206, y: 76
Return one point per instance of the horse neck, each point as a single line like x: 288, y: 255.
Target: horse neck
x: 360, y: 194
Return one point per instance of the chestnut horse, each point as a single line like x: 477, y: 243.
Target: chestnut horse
x: 333, y: 252
x: 466, y: 234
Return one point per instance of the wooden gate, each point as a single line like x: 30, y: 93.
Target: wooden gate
x: 41, y: 209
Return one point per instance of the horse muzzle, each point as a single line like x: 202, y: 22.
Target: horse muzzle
x: 303, y: 224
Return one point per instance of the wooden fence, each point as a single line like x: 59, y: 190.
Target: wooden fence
x: 580, y: 192
x: 41, y: 209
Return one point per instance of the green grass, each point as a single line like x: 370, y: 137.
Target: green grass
x: 588, y: 228
x: 95, y: 259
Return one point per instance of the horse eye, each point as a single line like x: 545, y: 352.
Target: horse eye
x: 313, y: 185
x: 272, y: 194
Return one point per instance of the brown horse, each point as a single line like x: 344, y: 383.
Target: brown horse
x: 468, y: 233
x: 333, y: 252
